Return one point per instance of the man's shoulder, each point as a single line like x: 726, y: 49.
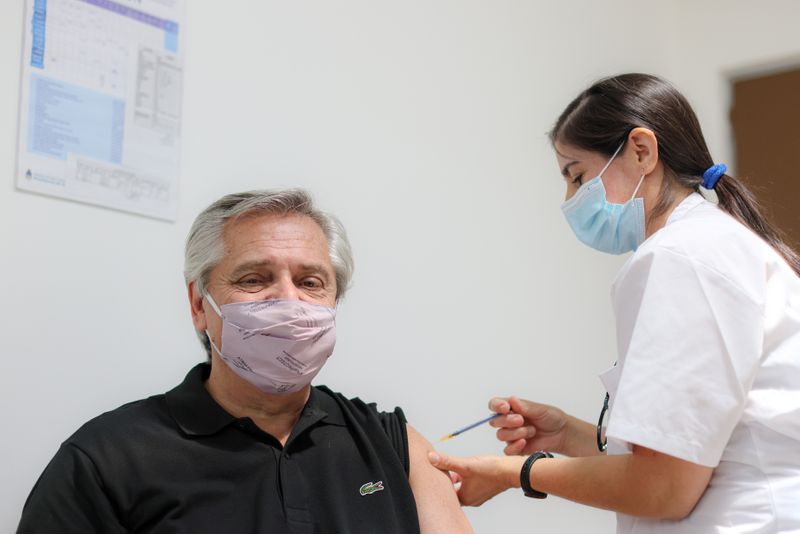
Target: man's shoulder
x: 355, y: 406
x: 153, y: 420
x: 381, y: 427
x: 127, y: 424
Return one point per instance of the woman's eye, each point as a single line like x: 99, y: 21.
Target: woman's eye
x: 578, y: 180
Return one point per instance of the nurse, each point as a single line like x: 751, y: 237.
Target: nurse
x: 703, y: 403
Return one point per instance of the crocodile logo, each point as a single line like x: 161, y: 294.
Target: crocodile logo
x: 371, y: 487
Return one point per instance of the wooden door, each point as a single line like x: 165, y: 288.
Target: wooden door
x: 766, y: 126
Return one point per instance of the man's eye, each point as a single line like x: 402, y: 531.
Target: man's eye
x: 250, y: 282
x: 311, y: 283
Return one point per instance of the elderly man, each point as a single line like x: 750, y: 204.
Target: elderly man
x: 245, y: 444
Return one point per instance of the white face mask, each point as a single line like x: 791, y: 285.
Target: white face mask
x: 279, y: 346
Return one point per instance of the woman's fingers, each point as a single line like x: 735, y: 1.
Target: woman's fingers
x: 514, y: 411
x: 511, y: 420
x: 527, y: 409
x: 528, y: 425
x: 514, y: 434
x: 507, y: 419
x: 515, y: 448
x: 512, y: 427
x: 445, y: 462
x: 480, y: 477
x: 437, y: 460
x: 499, y: 405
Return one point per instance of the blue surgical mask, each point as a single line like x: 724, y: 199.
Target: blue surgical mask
x: 607, y: 227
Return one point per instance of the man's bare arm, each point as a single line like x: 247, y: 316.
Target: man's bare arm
x: 437, y: 504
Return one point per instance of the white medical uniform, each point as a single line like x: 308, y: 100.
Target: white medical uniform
x: 708, y: 333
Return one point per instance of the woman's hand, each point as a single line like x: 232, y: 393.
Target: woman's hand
x: 479, y: 478
x: 527, y: 426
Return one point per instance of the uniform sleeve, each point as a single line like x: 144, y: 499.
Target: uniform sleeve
x: 690, y: 342
x: 69, y: 498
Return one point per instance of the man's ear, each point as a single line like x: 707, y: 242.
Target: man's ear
x: 645, y: 148
x: 196, y: 304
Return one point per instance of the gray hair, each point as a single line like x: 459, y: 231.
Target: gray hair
x: 205, y: 247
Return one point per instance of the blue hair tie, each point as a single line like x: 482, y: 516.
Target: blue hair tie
x: 713, y: 174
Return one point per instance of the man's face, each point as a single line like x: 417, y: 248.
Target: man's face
x: 267, y: 257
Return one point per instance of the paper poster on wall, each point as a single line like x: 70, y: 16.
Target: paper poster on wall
x: 100, y: 104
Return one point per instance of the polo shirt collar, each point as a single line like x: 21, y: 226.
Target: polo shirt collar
x: 321, y: 406
x: 198, y: 414
x: 193, y: 408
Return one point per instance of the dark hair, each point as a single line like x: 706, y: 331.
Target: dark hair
x: 602, y: 116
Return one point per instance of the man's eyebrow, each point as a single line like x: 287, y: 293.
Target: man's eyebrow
x: 251, y: 266
x: 316, y: 268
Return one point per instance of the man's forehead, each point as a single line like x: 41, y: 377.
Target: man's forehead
x: 278, y: 225
x: 246, y: 234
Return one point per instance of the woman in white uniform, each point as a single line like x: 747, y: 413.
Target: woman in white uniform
x: 703, y: 403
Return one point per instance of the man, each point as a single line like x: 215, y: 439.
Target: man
x: 245, y: 444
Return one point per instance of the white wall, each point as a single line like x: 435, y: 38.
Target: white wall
x: 421, y: 124
x: 726, y: 39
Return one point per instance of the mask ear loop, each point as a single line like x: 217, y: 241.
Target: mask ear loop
x: 216, y: 309
x: 614, y: 155
x: 637, y: 187
x: 212, y: 344
x: 213, y: 304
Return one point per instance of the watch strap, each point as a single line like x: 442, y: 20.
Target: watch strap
x: 525, y: 475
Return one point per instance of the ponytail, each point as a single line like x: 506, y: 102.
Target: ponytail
x: 740, y: 203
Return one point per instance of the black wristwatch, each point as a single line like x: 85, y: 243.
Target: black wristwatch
x: 525, y: 475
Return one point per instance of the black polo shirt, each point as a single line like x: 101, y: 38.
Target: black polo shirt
x: 179, y: 463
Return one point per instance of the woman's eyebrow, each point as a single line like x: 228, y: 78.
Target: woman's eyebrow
x: 565, y: 170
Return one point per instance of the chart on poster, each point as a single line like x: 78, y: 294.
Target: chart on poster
x: 100, y: 102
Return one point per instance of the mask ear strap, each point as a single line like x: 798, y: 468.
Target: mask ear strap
x: 638, y: 186
x: 212, y: 343
x: 614, y: 155
x: 216, y: 309
x: 213, y: 304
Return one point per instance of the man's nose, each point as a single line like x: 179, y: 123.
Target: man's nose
x: 285, y: 289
